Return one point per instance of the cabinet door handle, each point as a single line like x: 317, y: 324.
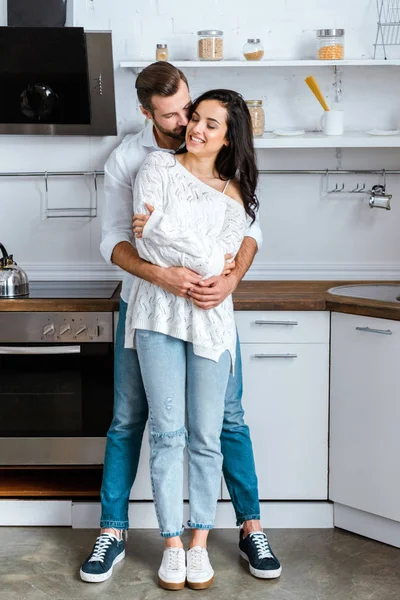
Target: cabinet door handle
x: 370, y: 330
x: 275, y: 356
x: 276, y: 322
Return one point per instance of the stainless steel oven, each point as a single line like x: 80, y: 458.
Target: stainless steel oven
x: 56, y: 387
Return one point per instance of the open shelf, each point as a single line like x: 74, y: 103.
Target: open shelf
x: 317, y: 139
x: 222, y: 64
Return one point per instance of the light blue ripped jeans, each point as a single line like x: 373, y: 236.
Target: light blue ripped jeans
x: 171, y: 373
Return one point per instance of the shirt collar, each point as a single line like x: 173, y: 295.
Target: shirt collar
x: 149, y: 139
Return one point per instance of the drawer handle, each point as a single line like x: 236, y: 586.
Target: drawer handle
x: 370, y: 330
x: 276, y: 322
x: 275, y: 356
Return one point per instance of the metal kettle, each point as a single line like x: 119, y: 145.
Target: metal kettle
x: 13, y: 280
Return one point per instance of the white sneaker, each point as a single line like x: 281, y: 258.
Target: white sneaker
x: 172, y: 572
x: 200, y: 573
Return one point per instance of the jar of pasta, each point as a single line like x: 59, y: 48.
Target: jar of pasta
x: 210, y: 44
x: 330, y: 44
x: 257, y: 116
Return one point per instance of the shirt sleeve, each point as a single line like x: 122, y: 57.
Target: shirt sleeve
x: 117, y: 214
x: 167, y: 243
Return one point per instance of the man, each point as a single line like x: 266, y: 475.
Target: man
x: 164, y: 97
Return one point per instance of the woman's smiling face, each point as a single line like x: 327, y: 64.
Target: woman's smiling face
x: 206, y: 130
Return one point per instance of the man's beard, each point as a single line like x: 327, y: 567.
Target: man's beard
x: 175, y: 134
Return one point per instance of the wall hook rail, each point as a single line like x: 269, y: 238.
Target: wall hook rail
x: 64, y: 212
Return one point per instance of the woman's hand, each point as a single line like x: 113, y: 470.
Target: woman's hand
x: 229, y: 264
x: 139, y: 221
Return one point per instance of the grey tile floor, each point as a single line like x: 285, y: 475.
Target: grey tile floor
x: 43, y: 564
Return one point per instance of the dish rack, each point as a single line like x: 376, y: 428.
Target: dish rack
x: 388, y: 31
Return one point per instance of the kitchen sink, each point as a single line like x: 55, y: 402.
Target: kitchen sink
x: 383, y: 292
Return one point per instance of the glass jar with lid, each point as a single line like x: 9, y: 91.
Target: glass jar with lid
x: 330, y: 44
x: 162, y: 52
x: 253, y: 49
x: 210, y: 44
x: 257, y: 116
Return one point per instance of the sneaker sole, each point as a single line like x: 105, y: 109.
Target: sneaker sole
x: 168, y: 585
x: 259, y: 573
x: 200, y: 585
x: 92, y: 578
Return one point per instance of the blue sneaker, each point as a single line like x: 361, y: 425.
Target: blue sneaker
x: 107, y: 552
x: 256, y: 550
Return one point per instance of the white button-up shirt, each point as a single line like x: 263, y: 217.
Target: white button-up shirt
x: 120, y: 172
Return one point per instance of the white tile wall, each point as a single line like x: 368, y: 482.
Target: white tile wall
x: 306, y: 234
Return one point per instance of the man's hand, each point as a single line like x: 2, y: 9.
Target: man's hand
x: 178, y: 280
x: 210, y: 293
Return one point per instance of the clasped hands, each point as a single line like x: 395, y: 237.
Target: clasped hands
x: 205, y: 294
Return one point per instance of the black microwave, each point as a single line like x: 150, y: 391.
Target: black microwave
x: 56, y: 81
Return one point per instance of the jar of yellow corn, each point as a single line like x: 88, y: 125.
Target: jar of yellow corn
x: 330, y: 44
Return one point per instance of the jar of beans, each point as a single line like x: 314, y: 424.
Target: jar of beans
x: 257, y: 116
x: 210, y: 44
x: 330, y: 44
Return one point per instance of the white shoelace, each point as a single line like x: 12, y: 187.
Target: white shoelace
x: 261, y: 543
x: 196, y: 559
x: 103, y: 542
x: 174, y: 555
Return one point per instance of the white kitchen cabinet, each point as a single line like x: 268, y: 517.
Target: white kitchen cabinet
x: 365, y: 415
x: 286, y: 404
x: 276, y: 327
x: 286, y: 378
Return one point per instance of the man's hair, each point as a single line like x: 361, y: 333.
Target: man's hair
x: 158, y: 79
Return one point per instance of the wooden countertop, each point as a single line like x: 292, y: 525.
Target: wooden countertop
x: 310, y: 295
x: 250, y: 295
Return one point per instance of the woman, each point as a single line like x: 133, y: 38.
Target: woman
x: 197, y: 216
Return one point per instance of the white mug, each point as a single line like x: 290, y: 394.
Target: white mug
x: 332, y: 122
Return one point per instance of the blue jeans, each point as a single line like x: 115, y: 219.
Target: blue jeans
x: 124, y: 439
x: 171, y: 373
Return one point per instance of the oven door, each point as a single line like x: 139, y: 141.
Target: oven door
x: 56, y: 402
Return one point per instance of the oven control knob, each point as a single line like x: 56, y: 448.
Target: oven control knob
x: 65, y: 329
x: 48, y: 329
x: 81, y: 330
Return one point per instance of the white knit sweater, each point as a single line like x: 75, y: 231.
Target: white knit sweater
x: 192, y: 226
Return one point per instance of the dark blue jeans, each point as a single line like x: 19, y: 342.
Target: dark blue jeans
x: 124, y: 440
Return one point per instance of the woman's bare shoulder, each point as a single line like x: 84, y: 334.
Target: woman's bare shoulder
x: 233, y: 191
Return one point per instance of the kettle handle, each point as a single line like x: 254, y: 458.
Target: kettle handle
x: 3, y: 250
x: 5, y: 257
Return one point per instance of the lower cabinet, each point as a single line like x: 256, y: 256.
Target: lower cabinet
x: 286, y: 407
x: 285, y: 359
x: 365, y: 416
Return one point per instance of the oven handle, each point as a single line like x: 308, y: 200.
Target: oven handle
x: 40, y: 349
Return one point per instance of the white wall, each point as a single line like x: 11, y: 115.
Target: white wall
x: 306, y: 234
